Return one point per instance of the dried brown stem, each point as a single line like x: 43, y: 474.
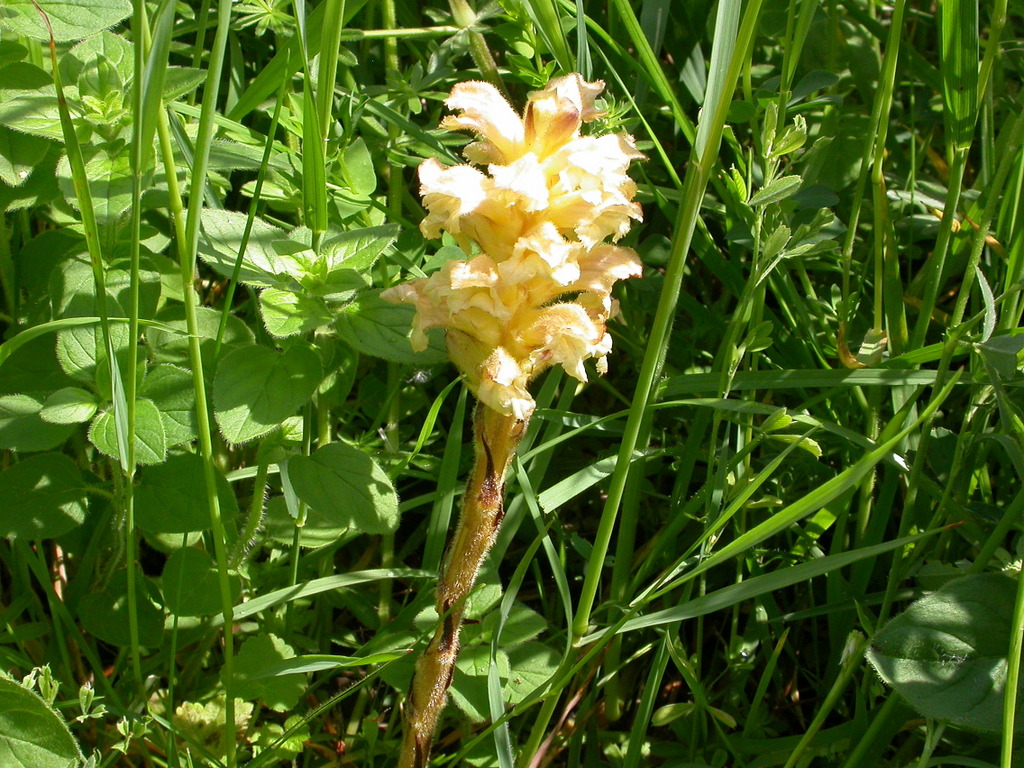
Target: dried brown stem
x: 495, y: 438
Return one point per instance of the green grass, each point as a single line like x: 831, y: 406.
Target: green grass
x: 812, y: 417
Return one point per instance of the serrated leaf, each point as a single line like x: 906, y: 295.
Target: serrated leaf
x: 22, y: 427
x: 381, y: 329
x: 346, y: 486
x: 288, y: 313
x: 32, y: 735
x: 776, y: 191
x: 532, y: 665
x: 257, y: 388
x: 70, y: 19
x: 150, y: 441
x: 947, y: 653
x: 41, y: 497
x: 191, y: 586
x: 171, y: 497
x: 359, y: 248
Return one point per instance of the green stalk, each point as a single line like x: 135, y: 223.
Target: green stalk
x: 933, y: 269
x: 188, y: 254
x: 856, y: 644
x: 726, y: 71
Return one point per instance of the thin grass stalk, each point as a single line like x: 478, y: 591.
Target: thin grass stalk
x: 496, y: 437
x: 187, y: 263
x: 725, y: 72
x: 874, y: 148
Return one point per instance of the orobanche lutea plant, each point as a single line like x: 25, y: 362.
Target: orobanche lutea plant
x: 533, y: 291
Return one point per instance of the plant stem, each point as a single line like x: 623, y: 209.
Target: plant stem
x: 496, y: 437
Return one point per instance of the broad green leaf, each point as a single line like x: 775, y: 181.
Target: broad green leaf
x: 190, y: 584
x: 33, y: 112
x: 171, y: 346
x: 287, y: 313
x: 84, y: 59
x: 23, y: 428
x: 69, y: 405
x: 345, y: 485
x: 32, y: 366
x: 32, y: 735
x: 382, y: 329
x: 947, y: 653
x: 257, y: 655
x: 469, y: 686
x: 80, y: 350
x: 257, y: 388
x: 110, y: 181
x: 533, y: 665
x: 318, y: 530
x: 41, y: 497
x: 171, y: 390
x: 359, y: 248
x: 171, y: 497
x: 150, y: 441
x: 69, y: 20
x: 104, y: 614
x: 19, y: 155
x: 357, y: 168
x: 222, y: 237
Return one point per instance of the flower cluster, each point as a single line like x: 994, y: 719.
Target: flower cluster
x: 536, y: 289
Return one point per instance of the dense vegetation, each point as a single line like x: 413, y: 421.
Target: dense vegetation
x: 784, y: 529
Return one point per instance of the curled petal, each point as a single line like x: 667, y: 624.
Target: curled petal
x: 522, y: 183
x: 485, y: 111
x: 450, y: 194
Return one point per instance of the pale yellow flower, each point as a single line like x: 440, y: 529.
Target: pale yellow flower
x: 535, y: 287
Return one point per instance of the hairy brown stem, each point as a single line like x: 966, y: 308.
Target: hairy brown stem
x: 495, y: 438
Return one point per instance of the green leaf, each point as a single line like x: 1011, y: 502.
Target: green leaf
x: 33, y: 112
x: 947, y: 653
x: 533, y: 665
x: 110, y: 181
x: 19, y: 154
x: 32, y: 735
x: 23, y: 428
x: 170, y: 345
x: 357, y: 168
x: 222, y: 237
x: 359, y: 248
x: 105, y: 613
x: 82, y: 64
x: 382, y: 329
x: 258, y: 655
x: 170, y: 389
x: 288, y: 313
x: 171, y: 497
x: 257, y: 388
x: 318, y: 529
x: 41, y: 497
x: 469, y: 686
x: 70, y: 19
x: 776, y: 191
x: 345, y: 485
x: 190, y: 584
x: 69, y: 405
x: 150, y: 441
